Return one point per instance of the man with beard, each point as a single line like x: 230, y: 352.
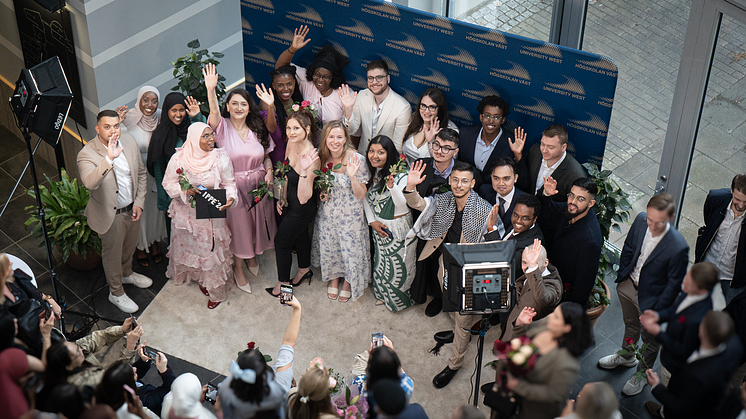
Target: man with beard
x: 652, y: 265
x: 457, y: 216
x: 377, y: 110
x: 577, y: 244
x: 722, y: 240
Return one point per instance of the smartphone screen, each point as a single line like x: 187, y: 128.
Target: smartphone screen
x: 286, y: 294
x: 212, y: 393
x: 151, y: 354
x: 377, y: 339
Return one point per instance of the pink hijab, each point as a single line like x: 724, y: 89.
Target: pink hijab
x: 196, y: 159
x: 136, y: 117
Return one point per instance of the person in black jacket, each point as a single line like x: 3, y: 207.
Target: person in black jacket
x: 723, y: 230
x: 501, y: 187
x: 577, y: 243
x: 698, y: 389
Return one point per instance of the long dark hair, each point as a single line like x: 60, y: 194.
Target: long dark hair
x: 580, y: 336
x: 392, y: 156
x: 166, y: 134
x: 111, y: 388
x: 282, y: 114
x: 332, y: 60
x: 383, y: 363
x: 305, y: 119
x: 253, y: 393
x: 437, y: 96
x: 253, y: 119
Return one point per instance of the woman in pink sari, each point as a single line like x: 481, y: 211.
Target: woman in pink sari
x: 239, y: 130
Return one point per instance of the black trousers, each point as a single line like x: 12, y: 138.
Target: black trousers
x: 292, y: 233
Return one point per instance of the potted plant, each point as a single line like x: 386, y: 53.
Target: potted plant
x: 188, y: 70
x: 612, y: 207
x: 64, y: 203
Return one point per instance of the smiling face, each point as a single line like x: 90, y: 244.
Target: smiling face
x: 428, y: 108
x: 443, y: 150
x: 523, y: 218
x: 739, y: 201
x: 503, y: 179
x: 378, y: 81
x: 377, y: 155
x: 148, y: 103
x: 106, y: 127
x: 491, y: 118
x: 207, y: 140
x: 284, y: 87
x: 335, y: 141
x: 461, y: 183
x: 177, y: 113
x: 295, y: 131
x: 322, y: 79
x: 578, y: 202
x: 237, y: 106
x: 657, y: 221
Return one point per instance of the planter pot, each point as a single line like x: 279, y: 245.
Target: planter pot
x: 84, y: 263
x: 596, y: 312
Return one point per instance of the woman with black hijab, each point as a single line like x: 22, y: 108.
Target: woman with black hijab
x: 170, y: 134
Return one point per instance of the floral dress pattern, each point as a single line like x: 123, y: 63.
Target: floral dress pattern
x: 341, y: 241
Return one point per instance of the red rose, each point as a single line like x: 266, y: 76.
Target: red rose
x: 286, y: 162
x: 568, y: 287
x: 324, y: 169
x: 330, y: 166
x: 257, y: 199
x: 628, y: 341
x: 179, y: 171
x: 305, y: 103
x: 250, y: 345
x: 402, y: 157
x: 682, y: 319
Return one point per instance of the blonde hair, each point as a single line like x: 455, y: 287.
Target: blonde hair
x: 325, y: 156
x: 313, y: 389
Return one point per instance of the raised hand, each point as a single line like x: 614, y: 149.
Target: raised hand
x: 432, y: 130
x: 265, y: 95
x: 112, y: 150
x: 192, y: 106
x: 347, y: 96
x: 210, y: 73
x: 550, y: 186
x: 517, y: 143
x: 494, y: 214
x: 308, y: 158
x: 415, y: 175
x: 299, y: 38
x: 353, y: 164
x: 122, y: 112
x: 526, y: 316
x: 532, y: 256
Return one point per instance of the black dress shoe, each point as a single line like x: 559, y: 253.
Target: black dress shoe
x: 654, y: 409
x: 445, y: 336
x: 487, y: 388
x: 441, y: 380
x: 434, y: 307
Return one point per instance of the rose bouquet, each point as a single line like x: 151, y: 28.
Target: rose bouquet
x: 348, y: 402
x: 280, y: 178
x: 324, y: 179
x: 252, y: 345
x: 185, y: 184
x: 519, y: 354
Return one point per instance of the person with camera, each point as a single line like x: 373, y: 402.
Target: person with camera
x: 457, y: 216
x: 151, y: 396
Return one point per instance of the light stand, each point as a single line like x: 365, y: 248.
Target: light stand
x: 484, y: 326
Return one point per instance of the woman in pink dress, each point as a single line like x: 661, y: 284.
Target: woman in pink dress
x: 239, y: 130
x: 200, y: 249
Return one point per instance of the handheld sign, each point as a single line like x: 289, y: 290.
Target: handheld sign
x: 209, y: 203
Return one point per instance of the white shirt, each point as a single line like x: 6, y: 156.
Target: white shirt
x: 508, y: 199
x: 690, y: 300
x: 545, y: 171
x: 648, y: 245
x: 512, y: 232
x: 543, y: 274
x: 482, y: 151
x: 123, y: 177
x: 722, y: 251
x: 704, y: 353
x: 377, y: 110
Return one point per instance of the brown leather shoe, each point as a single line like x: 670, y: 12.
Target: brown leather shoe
x: 654, y: 409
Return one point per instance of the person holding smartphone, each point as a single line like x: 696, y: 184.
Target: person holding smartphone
x: 388, y: 215
x: 151, y: 396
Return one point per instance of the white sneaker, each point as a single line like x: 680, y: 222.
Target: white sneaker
x: 124, y: 303
x: 634, y: 387
x: 138, y: 280
x: 612, y: 361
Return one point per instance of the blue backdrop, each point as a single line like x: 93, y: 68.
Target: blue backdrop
x: 543, y: 83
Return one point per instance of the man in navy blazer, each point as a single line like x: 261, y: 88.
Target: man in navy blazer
x: 501, y: 187
x: 681, y: 337
x: 652, y: 265
x: 482, y: 144
x: 722, y: 240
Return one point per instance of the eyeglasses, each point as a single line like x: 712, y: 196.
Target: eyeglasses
x: 656, y: 223
x: 431, y: 108
x: 458, y: 181
x: 572, y: 197
x: 491, y: 117
x: 317, y: 75
x: 437, y: 147
x: 524, y: 218
x: 377, y: 78
x: 208, y: 136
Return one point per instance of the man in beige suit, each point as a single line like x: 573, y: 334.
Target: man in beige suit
x: 377, y: 110
x: 111, y: 168
x: 457, y: 216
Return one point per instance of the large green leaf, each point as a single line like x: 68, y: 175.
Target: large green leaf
x: 193, y: 44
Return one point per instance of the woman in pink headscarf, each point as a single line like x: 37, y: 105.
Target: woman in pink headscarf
x: 200, y: 249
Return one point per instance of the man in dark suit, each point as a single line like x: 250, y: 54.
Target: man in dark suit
x: 652, y: 265
x: 722, y: 240
x: 521, y: 227
x: 577, y: 240
x: 482, y: 144
x: 698, y: 390
x: 681, y: 337
x: 501, y: 187
x: 548, y: 158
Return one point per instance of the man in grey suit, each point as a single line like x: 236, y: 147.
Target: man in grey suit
x: 111, y: 168
x: 652, y: 265
x: 377, y: 110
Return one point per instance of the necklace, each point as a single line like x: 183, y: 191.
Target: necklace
x: 243, y: 133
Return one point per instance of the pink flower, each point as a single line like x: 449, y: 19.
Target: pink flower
x: 305, y: 103
x: 179, y: 171
x: 332, y: 382
x: 295, y: 107
x: 351, y: 410
x: 340, y: 413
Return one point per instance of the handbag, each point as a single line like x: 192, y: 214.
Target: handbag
x: 504, y: 404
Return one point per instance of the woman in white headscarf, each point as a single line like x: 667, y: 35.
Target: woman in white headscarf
x: 184, y: 400
x: 140, y: 122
